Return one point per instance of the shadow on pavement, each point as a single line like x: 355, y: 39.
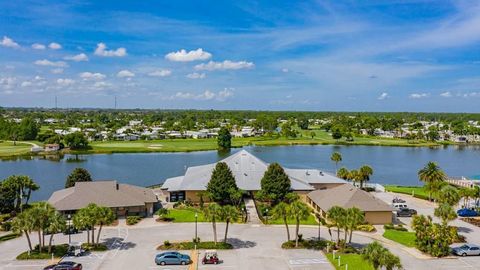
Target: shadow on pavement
x: 117, y: 242
x: 238, y: 243
x: 464, y: 229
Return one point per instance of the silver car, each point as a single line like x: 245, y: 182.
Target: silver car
x: 467, y: 250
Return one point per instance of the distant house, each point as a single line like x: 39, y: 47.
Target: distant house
x: 52, y: 147
x: 376, y: 211
x: 248, y: 171
x: 123, y: 199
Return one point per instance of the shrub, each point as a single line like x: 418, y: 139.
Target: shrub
x: 167, y: 243
x: 306, y: 244
x: 58, y: 252
x: 94, y: 247
x: 366, y: 228
x: 192, y: 245
x: 9, y: 236
x: 132, y: 220
x: 398, y: 227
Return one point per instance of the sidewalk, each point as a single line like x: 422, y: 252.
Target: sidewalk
x: 252, y: 212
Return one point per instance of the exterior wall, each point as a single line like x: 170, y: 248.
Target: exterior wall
x: 192, y: 195
x: 303, y: 195
x: 384, y: 217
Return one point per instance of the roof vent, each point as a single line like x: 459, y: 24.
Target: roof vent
x: 321, y: 173
x: 307, y: 172
x: 245, y: 174
x: 117, y: 186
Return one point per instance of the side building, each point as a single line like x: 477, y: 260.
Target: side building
x: 248, y: 171
x: 123, y: 199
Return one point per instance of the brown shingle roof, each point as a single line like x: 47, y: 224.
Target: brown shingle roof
x: 347, y: 196
x: 104, y: 193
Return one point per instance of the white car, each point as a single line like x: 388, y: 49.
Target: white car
x: 400, y: 205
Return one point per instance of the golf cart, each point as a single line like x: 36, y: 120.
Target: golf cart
x: 75, y: 249
x: 210, y: 257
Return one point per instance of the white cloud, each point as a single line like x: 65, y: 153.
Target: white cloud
x: 446, y: 94
x: 38, y: 46
x: 419, y: 95
x: 49, y: 63
x: 383, y: 96
x: 101, y: 85
x: 285, y: 70
x: 196, y: 75
x: 7, y: 82
x: 77, y: 58
x: 57, y: 71
x: 206, y: 95
x: 184, y: 56
x: 92, y: 76
x: 65, y: 82
x: 54, y: 46
x: 227, y: 64
x: 125, y: 74
x: 101, y: 50
x: 8, y: 42
x: 38, y: 78
x: 160, y: 73
x: 26, y: 84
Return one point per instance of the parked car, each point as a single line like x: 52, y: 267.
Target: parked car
x: 172, y: 258
x: 400, y: 205
x: 65, y: 265
x: 398, y: 200
x: 406, y: 212
x: 467, y: 250
x: 465, y: 212
x: 210, y: 257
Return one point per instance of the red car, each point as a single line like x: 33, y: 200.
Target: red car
x: 64, y: 266
x: 210, y: 257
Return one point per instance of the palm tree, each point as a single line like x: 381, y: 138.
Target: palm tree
x: 343, y: 173
x: 379, y: 257
x: 213, y: 212
x: 40, y: 213
x: 83, y: 221
x: 23, y: 223
x: 390, y: 261
x: 354, y: 175
x: 335, y: 215
x: 448, y: 194
x: 282, y: 211
x: 446, y: 212
x: 57, y: 223
x: 229, y: 214
x: 365, y: 173
x: 432, y: 176
x: 354, y: 218
x: 105, y: 216
x: 336, y: 157
x: 298, y: 211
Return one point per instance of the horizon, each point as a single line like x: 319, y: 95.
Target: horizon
x: 414, y: 56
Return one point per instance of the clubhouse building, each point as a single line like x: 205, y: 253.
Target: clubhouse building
x: 123, y: 199
x: 319, y: 189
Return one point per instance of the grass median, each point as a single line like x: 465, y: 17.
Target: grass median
x: 354, y: 261
x: 401, y: 237
x: 416, y: 191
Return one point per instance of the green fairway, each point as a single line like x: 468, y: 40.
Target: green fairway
x: 354, y: 261
x: 404, y: 238
x: 416, y: 191
x: 9, y: 149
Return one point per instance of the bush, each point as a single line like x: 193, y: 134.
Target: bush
x: 398, y: 227
x: 6, y: 226
x: 306, y: 244
x: 191, y: 245
x: 58, y: 252
x: 9, y: 236
x: 94, y: 247
x: 132, y: 220
x: 366, y: 228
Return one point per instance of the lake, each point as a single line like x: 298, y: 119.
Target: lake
x: 391, y: 165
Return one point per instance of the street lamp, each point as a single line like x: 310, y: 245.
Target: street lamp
x: 69, y: 220
x: 196, y: 218
x: 266, y: 215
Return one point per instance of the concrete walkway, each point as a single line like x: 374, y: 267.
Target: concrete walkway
x: 252, y: 212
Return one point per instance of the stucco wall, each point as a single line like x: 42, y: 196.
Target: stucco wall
x: 378, y: 217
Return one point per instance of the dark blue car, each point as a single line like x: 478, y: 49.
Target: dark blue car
x: 465, y: 212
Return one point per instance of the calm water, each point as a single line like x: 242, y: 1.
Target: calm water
x: 392, y: 165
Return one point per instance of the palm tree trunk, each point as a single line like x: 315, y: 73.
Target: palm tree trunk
x: 338, y: 235
x: 296, y: 232
x: 93, y: 235
x: 214, y: 224
x: 346, y: 234
x: 350, y: 238
x: 88, y: 236
x: 28, y: 196
x: 286, y: 226
x: 43, y: 239
x: 98, y: 234
x: 39, y: 241
x: 50, y: 243
x: 226, y: 231
x: 330, y: 232
x: 28, y: 240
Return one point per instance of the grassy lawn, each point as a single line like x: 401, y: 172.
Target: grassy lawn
x: 9, y: 236
x: 354, y: 261
x: 8, y: 149
x: 185, y: 215
x: 404, y: 238
x: 419, y: 192
x: 310, y: 221
x: 58, y: 252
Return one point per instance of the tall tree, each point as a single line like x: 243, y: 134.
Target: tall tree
x: 343, y: 173
x: 365, y: 173
x: 445, y: 212
x: 56, y: 224
x: 78, y: 175
x: 336, y: 217
x: 229, y: 214
x: 20, y: 186
x: 380, y: 257
x: 336, y: 157
x: 282, y: 211
x: 224, y: 139
x: 432, y: 176
x: 76, y: 141
x: 105, y: 216
x: 449, y: 195
x: 275, y: 183
x: 213, y: 213
x: 298, y: 211
x: 222, y: 183
x: 354, y: 218
x: 23, y: 223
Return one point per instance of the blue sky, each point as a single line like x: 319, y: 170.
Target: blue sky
x: 262, y: 55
